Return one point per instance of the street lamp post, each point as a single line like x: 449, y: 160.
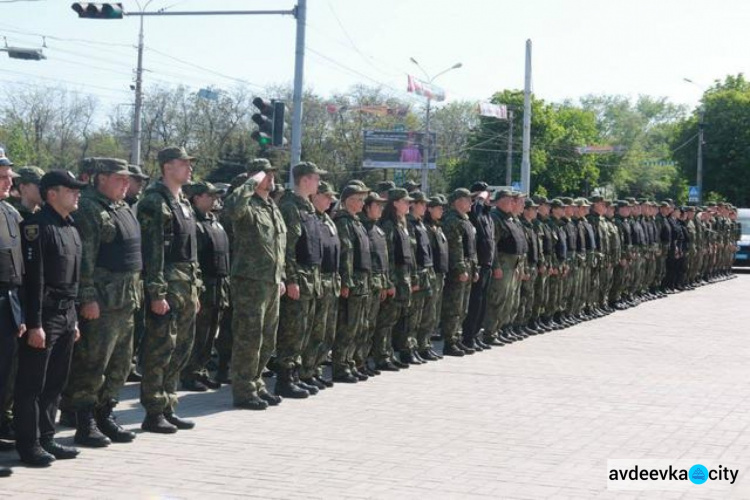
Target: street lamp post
x: 427, y: 137
x: 701, y: 125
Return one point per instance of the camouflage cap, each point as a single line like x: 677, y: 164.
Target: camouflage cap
x: 478, y: 187
x: 111, y: 166
x: 410, y: 185
x: 567, y: 200
x: 352, y: 189
x: 557, y: 203
x: 622, y: 203
x: 669, y: 200
x: 29, y: 175
x: 529, y: 203
x: 502, y: 193
x: 397, y: 194
x: 5, y: 162
x: 540, y: 200
x: 173, y: 153
x: 435, y: 201
x: 384, y: 186
x: 326, y: 189
x: 259, y: 165
x: 443, y: 198
x: 357, y: 182
x: 597, y: 198
x: 459, y: 193
x: 306, y: 168
x: 199, y: 188
x: 664, y: 204
x: 137, y: 172
x: 631, y: 200
x: 711, y: 204
x: 688, y: 208
x: 374, y: 197
x: 418, y: 196
x: 581, y: 202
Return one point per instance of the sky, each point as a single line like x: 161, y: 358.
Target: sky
x: 580, y: 47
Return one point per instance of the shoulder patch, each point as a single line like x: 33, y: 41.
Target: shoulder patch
x: 31, y: 232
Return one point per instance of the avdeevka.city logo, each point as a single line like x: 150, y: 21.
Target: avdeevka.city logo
x: 656, y: 474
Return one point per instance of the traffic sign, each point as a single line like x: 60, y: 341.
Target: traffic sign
x: 516, y: 186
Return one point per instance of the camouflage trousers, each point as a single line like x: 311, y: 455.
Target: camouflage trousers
x: 405, y: 333
x: 527, y: 296
x: 101, y: 360
x: 323, y: 334
x: 392, y: 315
x: 295, y: 326
x: 455, y: 307
x: 167, y: 346
x: 351, y: 323
x: 207, y: 324
x: 501, y: 294
x: 541, y: 294
x: 255, y: 319
x: 364, y: 347
x: 430, y: 312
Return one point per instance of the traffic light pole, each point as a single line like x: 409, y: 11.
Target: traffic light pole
x: 699, y: 173
x: 299, y: 69
x: 135, y: 151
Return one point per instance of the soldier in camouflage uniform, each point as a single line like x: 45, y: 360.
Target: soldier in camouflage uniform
x: 534, y: 266
x: 27, y: 183
x: 257, y: 279
x: 545, y: 282
x: 172, y: 282
x: 423, y: 276
x: 462, y: 270
x: 326, y: 307
x: 303, y: 259
x: 355, y: 269
x: 401, y: 260
x: 565, y: 260
x: 110, y: 289
x: 213, y: 257
x: 431, y: 313
x: 618, y: 296
x: 381, y: 287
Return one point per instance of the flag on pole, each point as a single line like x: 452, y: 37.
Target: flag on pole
x: 428, y: 90
x: 499, y: 111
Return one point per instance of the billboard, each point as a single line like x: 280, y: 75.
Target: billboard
x: 396, y: 149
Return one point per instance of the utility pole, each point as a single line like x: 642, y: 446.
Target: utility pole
x: 135, y: 151
x: 699, y: 174
x: 300, y: 12
x: 526, y: 157
x: 509, y: 160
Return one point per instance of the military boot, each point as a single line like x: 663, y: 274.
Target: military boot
x: 312, y: 389
x: 286, y: 388
x: 155, y: 422
x: 68, y: 418
x: 57, y: 450
x: 107, y: 423
x: 88, y: 433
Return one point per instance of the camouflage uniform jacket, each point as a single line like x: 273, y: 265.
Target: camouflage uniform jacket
x: 307, y: 277
x: 356, y: 280
x: 459, y: 260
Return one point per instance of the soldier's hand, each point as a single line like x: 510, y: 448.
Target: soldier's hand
x: 90, y: 310
x: 344, y: 292
x: 36, y: 338
x: 160, y: 307
x: 197, y: 306
x: 476, y: 278
x: 21, y: 330
x: 292, y: 291
x: 463, y: 277
x: 282, y: 289
x: 415, y: 288
x: 77, y: 334
x: 383, y: 295
x: 542, y: 270
x: 497, y: 274
x: 391, y: 292
x: 623, y: 262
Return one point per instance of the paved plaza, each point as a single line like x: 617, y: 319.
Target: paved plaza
x: 669, y: 379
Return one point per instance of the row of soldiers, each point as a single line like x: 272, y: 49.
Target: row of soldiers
x: 290, y: 280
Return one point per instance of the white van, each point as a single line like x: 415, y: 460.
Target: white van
x: 742, y: 257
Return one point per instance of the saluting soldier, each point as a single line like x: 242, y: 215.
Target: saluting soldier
x: 172, y: 282
x: 12, y: 322
x: 213, y: 257
x: 52, y: 258
x: 257, y: 278
x: 109, y: 292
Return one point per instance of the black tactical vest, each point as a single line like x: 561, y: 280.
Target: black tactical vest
x: 402, y: 255
x: 214, y: 261
x: 485, y: 238
x: 532, y: 242
x: 378, y: 249
x: 309, y: 248
x: 331, y: 248
x: 11, y: 253
x: 361, y: 250
x: 123, y: 253
x: 423, y: 251
x: 469, y: 240
x: 514, y: 241
x: 440, y: 252
x: 181, y: 240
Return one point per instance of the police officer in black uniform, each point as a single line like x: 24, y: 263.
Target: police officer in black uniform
x: 213, y: 258
x: 485, y: 226
x: 12, y: 321
x: 52, y: 256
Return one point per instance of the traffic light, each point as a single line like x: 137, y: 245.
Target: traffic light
x: 89, y: 10
x: 25, y: 54
x: 270, y: 120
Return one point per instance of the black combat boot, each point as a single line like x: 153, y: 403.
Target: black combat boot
x: 88, y: 433
x: 286, y: 388
x: 155, y: 422
x: 179, y: 422
x: 34, y: 455
x: 107, y: 423
x: 57, y: 450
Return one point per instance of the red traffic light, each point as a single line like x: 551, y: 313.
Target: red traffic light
x: 88, y: 10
